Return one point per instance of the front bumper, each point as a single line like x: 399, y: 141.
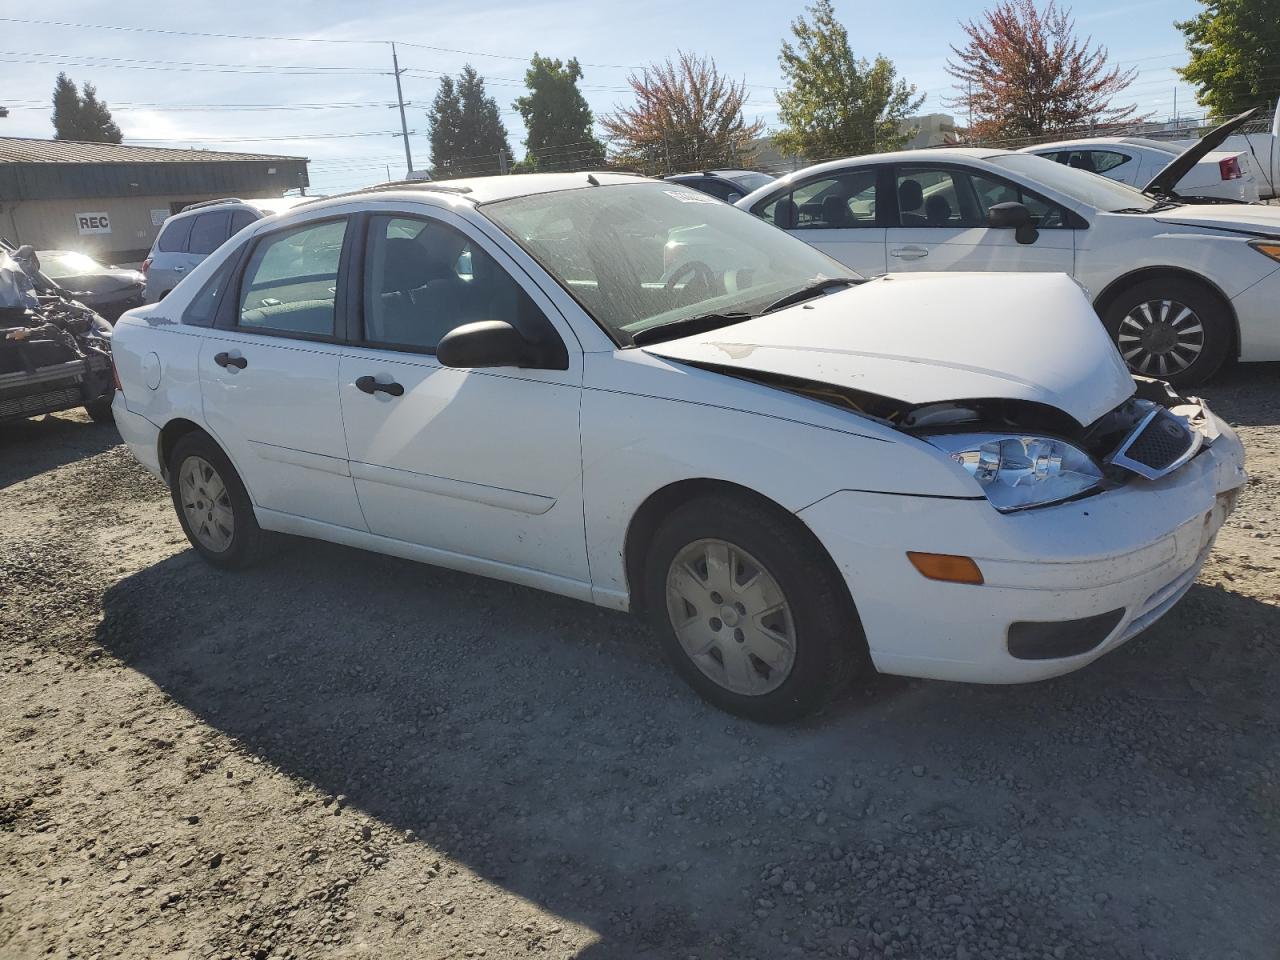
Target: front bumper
x: 1135, y: 549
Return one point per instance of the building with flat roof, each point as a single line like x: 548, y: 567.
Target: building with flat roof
x: 109, y: 199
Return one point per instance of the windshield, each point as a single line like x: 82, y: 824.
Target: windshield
x: 1090, y: 188
x: 65, y: 263
x: 639, y: 255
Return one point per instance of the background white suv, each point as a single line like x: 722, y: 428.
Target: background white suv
x: 195, y: 232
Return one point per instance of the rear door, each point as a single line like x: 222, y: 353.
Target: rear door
x: 269, y: 374
x: 170, y: 259
x: 942, y: 224
x: 839, y: 213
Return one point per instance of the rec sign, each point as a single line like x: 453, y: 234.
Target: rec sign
x: 97, y: 222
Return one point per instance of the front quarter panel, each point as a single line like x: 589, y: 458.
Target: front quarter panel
x: 648, y: 423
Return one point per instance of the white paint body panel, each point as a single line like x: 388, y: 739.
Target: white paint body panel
x: 534, y: 477
x: 1144, y: 162
x: 1206, y: 241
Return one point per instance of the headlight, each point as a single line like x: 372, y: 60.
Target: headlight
x: 1020, y: 472
x: 1266, y: 248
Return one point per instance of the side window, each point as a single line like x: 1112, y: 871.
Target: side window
x: 423, y: 278
x: 936, y: 197
x: 173, y: 238
x: 1104, y: 160
x: 831, y: 203
x: 203, y: 308
x: 1045, y: 215
x: 241, y: 219
x: 208, y: 231
x: 291, y: 280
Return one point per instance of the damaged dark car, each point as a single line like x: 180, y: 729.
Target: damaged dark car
x: 55, y: 353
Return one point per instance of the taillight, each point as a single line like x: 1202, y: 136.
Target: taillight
x: 1230, y: 168
x: 146, y: 265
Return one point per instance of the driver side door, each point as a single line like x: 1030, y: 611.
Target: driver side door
x: 942, y: 224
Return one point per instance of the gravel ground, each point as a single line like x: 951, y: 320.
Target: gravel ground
x: 345, y: 755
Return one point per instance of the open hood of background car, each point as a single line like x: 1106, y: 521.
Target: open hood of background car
x: 1164, y: 182
x: 932, y: 337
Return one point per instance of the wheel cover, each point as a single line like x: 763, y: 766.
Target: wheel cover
x: 1160, y: 337
x: 206, y: 504
x: 731, y: 617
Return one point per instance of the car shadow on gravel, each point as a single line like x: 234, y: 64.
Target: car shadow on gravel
x: 1245, y: 394
x: 545, y: 744
x: 31, y: 447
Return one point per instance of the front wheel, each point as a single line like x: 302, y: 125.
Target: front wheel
x: 1173, y: 330
x: 100, y: 410
x: 750, y: 610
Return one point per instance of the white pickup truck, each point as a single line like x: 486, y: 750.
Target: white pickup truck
x: 1263, y: 151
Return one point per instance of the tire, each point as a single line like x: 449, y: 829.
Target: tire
x: 826, y: 641
x: 1175, y: 330
x: 219, y: 521
x: 100, y: 410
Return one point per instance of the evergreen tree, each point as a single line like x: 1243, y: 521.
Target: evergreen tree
x: 444, y: 123
x: 557, y: 117
x: 81, y: 117
x: 467, y: 135
x: 66, y: 109
x: 837, y: 104
x: 95, y: 118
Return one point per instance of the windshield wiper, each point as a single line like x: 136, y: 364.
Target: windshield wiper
x: 809, y: 291
x: 1159, y: 205
x: 687, y: 326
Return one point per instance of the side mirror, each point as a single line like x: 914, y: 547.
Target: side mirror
x: 1013, y: 216
x: 495, y: 343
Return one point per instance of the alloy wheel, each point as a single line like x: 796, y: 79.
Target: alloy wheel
x: 731, y: 617
x: 206, y: 504
x: 1160, y: 337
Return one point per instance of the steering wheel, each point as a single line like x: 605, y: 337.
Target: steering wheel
x: 696, y: 270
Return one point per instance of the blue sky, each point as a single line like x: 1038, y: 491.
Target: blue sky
x: 161, y: 85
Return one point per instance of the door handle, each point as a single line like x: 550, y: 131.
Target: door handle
x: 371, y: 386
x: 909, y: 253
x: 179, y: 269
x: 225, y: 359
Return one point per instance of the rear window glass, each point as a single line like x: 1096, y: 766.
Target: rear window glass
x: 208, y: 232
x: 173, y: 238
x: 241, y: 219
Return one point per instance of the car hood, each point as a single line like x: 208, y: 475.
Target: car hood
x: 1166, y: 180
x: 926, y: 338
x: 1249, y: 218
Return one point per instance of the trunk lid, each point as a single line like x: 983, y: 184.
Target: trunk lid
x: 1164, y: 182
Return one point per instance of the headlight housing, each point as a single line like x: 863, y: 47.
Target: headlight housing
x: 1268, y: 248
x: 1017, y: 472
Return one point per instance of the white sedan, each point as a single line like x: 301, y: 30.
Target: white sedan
x: 791, y: 470
x: 1220, y: 174
x: 1180, y: 287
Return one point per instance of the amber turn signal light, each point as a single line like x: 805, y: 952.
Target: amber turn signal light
x: 945, y: 566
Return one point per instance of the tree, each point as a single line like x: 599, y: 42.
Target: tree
x: 686, y: 116
x: 95, y: 118
x: 1235, y: 52
x: 466, y: 131
x: 1024, y: 74
x: 837, y: 104
x: 557, y: 118
x: 81, y: 117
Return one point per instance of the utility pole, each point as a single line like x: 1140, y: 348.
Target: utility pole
x: 502, y: 162
x: 404, y: 125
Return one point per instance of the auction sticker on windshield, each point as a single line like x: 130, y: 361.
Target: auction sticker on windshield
x: 686, y: 196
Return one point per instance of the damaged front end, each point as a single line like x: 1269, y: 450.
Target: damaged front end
x: 1027, y: 454
x: 55, y: 353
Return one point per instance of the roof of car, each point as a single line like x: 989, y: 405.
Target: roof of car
x: 929, y: 155
x: 1087, y: 142
x: 488, y: 189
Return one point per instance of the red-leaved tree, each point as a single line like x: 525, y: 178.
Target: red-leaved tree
x: 686, y: 116
x: 1024, y: 74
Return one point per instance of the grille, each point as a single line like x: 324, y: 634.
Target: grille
x: 1164, y: 439
x: 45, y: 402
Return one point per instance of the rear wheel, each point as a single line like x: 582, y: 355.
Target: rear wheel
x: 751, y: 612
x: 100, y: 410
x: 1174, y: 330
x: 213, y: 505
